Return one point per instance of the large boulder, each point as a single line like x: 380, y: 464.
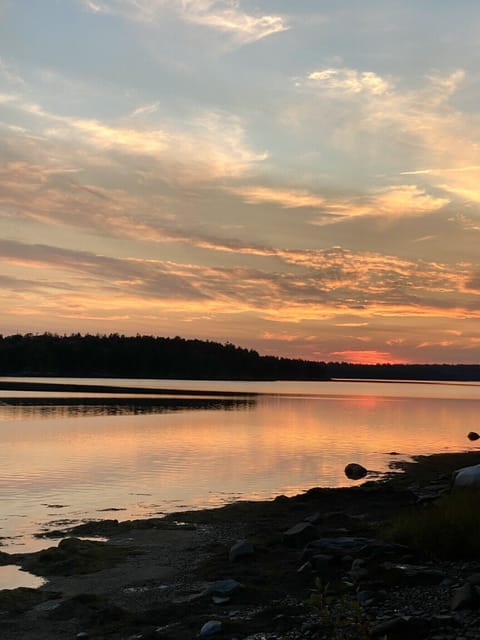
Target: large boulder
x: 467, y: 477
x: 355, y: 471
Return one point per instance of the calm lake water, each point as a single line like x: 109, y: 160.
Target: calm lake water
x: 72, y: 457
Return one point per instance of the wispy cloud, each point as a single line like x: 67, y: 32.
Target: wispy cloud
x: 146, y: 109
x: 367, y: 114
x: 394, y: 201
x: 286, y: 198
x: 350, y: 81
x: 173, y: 148
x: 327, y: 283
x: 10, y: 74
x: 222, y: 15
x: 439, y: 171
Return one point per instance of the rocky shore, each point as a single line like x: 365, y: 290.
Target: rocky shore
x: 317, y: 565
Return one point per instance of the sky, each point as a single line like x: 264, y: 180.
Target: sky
x: 300, y: 178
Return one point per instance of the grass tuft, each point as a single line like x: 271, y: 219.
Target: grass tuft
x: 449, y: 529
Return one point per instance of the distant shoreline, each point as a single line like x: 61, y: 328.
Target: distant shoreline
x: 97, y: 388
x: 68, y: 387
x: 459, y: 383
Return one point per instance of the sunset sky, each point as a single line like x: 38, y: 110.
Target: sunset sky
x: 298, y: 177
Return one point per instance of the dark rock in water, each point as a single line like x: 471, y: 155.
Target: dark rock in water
x: 300, y: 534
x: 473, y: 435
x: 241, y: 550
x: 91, y: 528
x: 211, y: 628
x: 355, y: 471
x: 73, y: 557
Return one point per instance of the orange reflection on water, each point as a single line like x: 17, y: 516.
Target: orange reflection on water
x: 184, y: 459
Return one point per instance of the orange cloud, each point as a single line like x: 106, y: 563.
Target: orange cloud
x: 400, y: 200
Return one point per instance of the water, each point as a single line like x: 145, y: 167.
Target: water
x: 11, y: 577
x: 65, y: 459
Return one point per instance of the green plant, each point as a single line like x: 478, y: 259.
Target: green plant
x: 342, y: 616
x: 320, y: 598
x: 447, y: 529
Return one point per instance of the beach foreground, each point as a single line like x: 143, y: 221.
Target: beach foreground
x: 312, y: 566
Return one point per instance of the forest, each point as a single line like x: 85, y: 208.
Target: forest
x: 119, y: 356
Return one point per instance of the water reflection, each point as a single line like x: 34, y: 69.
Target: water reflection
x: 12, y: 577
x: 147, y: 456
x: 25, y: 408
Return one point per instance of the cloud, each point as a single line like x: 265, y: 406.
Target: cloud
x: 283, y: 336
x: 173, y: 147
x: 222, y: 15
x: 247, y: 28
x: 371, y: 125
x: 286, y: 198
x: 308, y: 282
x: 95, y: 7
x: 351, y: 324
x: 367, y: 283
x: 440, y: 171
x: 146, y: 109
x: 335, y: 281
x: 10, y: 74
x: 349, y: 81
x: 400, y: 200
x: 5, y: 98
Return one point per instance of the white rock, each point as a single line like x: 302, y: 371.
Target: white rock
x: 467, y: 477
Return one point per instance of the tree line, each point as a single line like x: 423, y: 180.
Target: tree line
x: 140, y: 356
x: 122, y: 356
